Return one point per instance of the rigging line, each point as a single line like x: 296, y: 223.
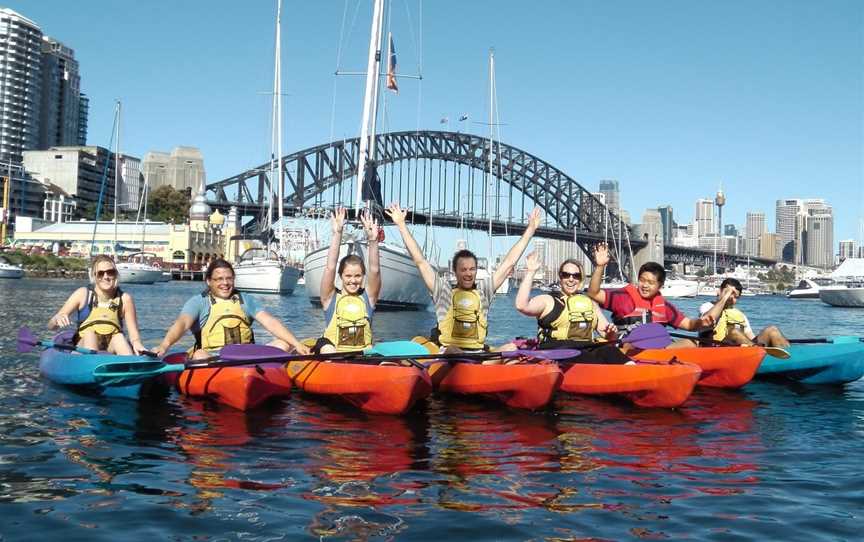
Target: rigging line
x: 104, y: 177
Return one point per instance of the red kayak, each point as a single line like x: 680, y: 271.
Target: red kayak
x: 645, y: 384
x: 377, y: 389
x: 243, y: 387
x: 525, y: 385
x: 722, y: 366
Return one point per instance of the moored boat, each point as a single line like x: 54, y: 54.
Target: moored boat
x: 9, y: 271
x: 645, y: 384
x: 837, y: 361
x: 722, y: 366
x: 376, y: 389
x: 525, y: 385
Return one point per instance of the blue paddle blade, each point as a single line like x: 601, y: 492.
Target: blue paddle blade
x: 396, y: 348
x: 648, y: 336
x: 127, y: 374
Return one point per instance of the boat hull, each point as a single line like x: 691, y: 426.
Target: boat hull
x: 268, y: 277
x: 837, y: 362
x: 529, y: 386
x: 842, y: 296
x: 11, y: 273
x: 376, y: 389
x: 674, y: 288
x: 135, y: 274
x: 722, y: 366
x: 244, y: 388
x: 665, y: 385
x: 402, y: 287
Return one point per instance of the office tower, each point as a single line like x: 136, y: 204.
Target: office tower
x: 20, y: 84
x: 609, y: 188
x: 182, y: 168
x: 846, y: 249
x: 703, y: 220
x: 754, y: 227
x: 730, y: 229
x: 83, y: 115
x: 819, y: 236
x: 788, y: 229
x: 668, y: 220
x: 769, y: 246
x: 76, y: 171
x: 61, y: 95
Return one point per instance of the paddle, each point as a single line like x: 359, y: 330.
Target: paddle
x: 27, y: 341
x: 773, y: 351
x: 823, y: 340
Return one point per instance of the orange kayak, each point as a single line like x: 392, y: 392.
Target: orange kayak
x: 243, y: 387
x: 645, y: 384
x: 529, y: 385
x: 377, y: 389
x: 722, y: 366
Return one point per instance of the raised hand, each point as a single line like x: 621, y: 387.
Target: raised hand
x: 370, y: 226
x: 337, y: 220
x: 533, y: 262
x: 601, y: 254
x: 534, y: 218
x: 396, y: 213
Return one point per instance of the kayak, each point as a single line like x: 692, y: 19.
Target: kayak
x: 838, y: 361
x: 79, y: 372
x: 722, y: 366
x: 376, y: 389
x: 525, y: 385
x: 646, y: 384
x: 242, y: 387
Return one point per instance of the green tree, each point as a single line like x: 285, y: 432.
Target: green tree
x: 168, y: 205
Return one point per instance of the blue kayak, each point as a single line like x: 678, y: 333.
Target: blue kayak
x: 838, y: 361
x: 80, y: 372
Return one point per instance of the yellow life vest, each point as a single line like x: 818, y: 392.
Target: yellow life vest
x: 227, y: 323
x: 465, y: 324
x: 350, y: 328
x: 729, y: 319
x: 102, y: 317
x: 572, y: 319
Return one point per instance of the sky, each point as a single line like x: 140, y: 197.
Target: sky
x: 671, y: 98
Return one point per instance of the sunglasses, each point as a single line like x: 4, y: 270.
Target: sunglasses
x: 565, y: 275
x: 110, y: 273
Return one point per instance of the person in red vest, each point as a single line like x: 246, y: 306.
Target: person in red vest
x: 641, y: 303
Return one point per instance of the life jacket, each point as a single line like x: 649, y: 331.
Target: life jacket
x: 104, y: 318
x: 644, y: 310
x: 730, y: 318
x: 350, y: 324
x: 572, y: 318
x: 465, y: 324
x: 227, y: 323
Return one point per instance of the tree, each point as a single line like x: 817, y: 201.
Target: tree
x: 168, y: 205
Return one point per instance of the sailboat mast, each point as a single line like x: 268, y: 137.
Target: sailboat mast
x: 278, y: 113
x: 491, y: 137
x: 116, y: 177
x: 372, y: 71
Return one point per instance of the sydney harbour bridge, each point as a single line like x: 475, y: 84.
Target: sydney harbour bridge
x: 455, y: 180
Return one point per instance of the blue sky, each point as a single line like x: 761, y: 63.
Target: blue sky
x: 670, y: 98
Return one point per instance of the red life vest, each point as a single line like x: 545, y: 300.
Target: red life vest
x: 644, y: 310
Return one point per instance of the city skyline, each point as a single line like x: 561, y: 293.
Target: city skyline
x: 758, y: 114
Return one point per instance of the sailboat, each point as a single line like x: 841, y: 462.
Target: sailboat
x: 402, y: 287
x: 263, y: 269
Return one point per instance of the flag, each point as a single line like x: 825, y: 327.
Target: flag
x: 391, y: 66
x: 463, y: 117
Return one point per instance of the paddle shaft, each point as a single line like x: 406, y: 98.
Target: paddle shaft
x: 773, y: 351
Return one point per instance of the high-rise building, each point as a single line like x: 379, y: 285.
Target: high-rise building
x: 20, y: 85
x: 730, y: 229
x: 668, y: 220
x: 75, y: 171
x: 131, y: 182
x: 83, y: 115
x: 788, y: 229
x: 819, y: 238
x: 754, y: 228
x: 703, y: 220
x: 61, y: 95
x: 182, y: 168
x: 769, y: 246
x: 610, y: 189
x: 846, y: 249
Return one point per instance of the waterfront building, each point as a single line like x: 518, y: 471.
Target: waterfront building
x: 703, y: 220
x: 26, y: 195
x: 712, y: 242
x: 182, y: 168
x: 131, y: 183
x: 769, y: 246
x: 754, y: 228
x: 20, y: 85
x: 846, y: 249
x: 75, y: 171
x: 668, y: 221
x: 61, y: 96
x: 59, y: 209
x: 609, y: 188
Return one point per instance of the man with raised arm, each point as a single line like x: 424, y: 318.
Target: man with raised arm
x: 462, y: 311
x: 642, y: 303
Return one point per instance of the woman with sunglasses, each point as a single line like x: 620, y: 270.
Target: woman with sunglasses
x: 568, y: 319
x: 102, y: 310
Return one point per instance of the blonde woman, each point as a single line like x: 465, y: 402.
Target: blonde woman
x: 102, y: 310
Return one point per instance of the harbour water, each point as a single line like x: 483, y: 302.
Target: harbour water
x: 769, y: 461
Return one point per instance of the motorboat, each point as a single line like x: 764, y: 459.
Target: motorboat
x: 10, y: 271
x: 673, y: 288
x: 848, y: 294
x: 261, y: 270
x: 806, y: 289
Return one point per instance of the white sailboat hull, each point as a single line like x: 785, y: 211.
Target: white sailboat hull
x: 8, y: 271
x: 680, y: 288
x: 842, y: 296
x: 265, y: 276
x: 402, y: 287
x: 136, y: 273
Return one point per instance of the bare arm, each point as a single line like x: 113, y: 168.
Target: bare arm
x: 604, y: 326
x: 130, y: 317
x: 75, y: 301
x: 397, y: 215
x: 328, y: 278
x: 373, y: 280
x: 515, y: 252
x: 697, y: 324
x: 278, y: 330
x: 601, y: 258
x: 181, y: 325
x: 525, y: 304
x: 717, y: 309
